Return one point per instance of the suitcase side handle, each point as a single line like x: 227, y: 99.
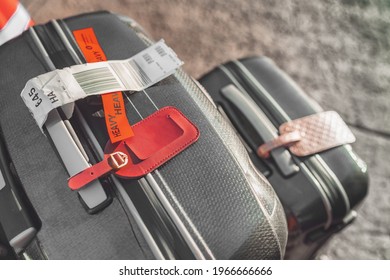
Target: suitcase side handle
x: 262, y: 125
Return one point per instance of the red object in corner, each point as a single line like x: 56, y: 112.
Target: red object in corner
x: 7, y: 10
x: 14, y: 19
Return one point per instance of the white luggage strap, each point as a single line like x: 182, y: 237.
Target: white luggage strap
x: 57, y: 88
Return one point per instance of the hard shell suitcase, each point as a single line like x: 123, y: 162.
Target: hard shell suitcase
x: 319, y: 192
x: 208, y: 202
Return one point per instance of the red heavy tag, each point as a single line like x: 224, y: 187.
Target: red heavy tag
x: 117, y: 124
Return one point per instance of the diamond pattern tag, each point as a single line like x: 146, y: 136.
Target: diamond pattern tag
x: 319, y: 132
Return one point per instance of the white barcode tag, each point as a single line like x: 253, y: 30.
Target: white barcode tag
x: 60, y: 87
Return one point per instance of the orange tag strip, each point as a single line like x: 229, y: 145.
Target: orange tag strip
x: 116, y: 121
x: 117, y: 124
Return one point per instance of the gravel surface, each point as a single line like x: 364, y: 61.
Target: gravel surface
x: 338, y: 51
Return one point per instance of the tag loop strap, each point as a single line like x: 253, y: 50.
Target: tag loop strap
x: 283, y: 140
x: 111, y: 162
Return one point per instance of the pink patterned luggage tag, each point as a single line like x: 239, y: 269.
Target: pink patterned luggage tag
x: 310, y: 135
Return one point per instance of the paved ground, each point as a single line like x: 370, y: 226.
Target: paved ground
x: 338, y: 51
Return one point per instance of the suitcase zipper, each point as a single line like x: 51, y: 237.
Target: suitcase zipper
x: 195, y: 89
x: 152, y: 182
x: 316, y: 163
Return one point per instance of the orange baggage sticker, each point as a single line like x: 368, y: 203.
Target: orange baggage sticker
x: 89, y: 45
x: 116, y: 121
x: 117, y: 124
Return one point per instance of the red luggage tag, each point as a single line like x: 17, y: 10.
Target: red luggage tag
x: 157, y: 139
x: 310, y: 135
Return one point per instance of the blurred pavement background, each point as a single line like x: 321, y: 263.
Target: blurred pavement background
x: 337, y: 51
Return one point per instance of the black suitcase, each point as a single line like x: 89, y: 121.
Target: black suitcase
x: 208, y: 202
x: 319, y: 192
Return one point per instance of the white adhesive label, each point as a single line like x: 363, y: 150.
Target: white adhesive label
x: 60, y: 87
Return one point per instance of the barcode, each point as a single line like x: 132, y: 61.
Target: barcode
x: 148, y: 58
x: 139, y: 72
x: 131, y: 74
x: 96, y: 80
x: 160, y: 50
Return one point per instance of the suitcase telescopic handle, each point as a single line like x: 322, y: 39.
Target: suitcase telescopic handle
x: 264, y: 128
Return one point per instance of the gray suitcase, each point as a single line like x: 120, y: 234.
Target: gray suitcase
x: 208, y: 202
x: 320, y: 192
